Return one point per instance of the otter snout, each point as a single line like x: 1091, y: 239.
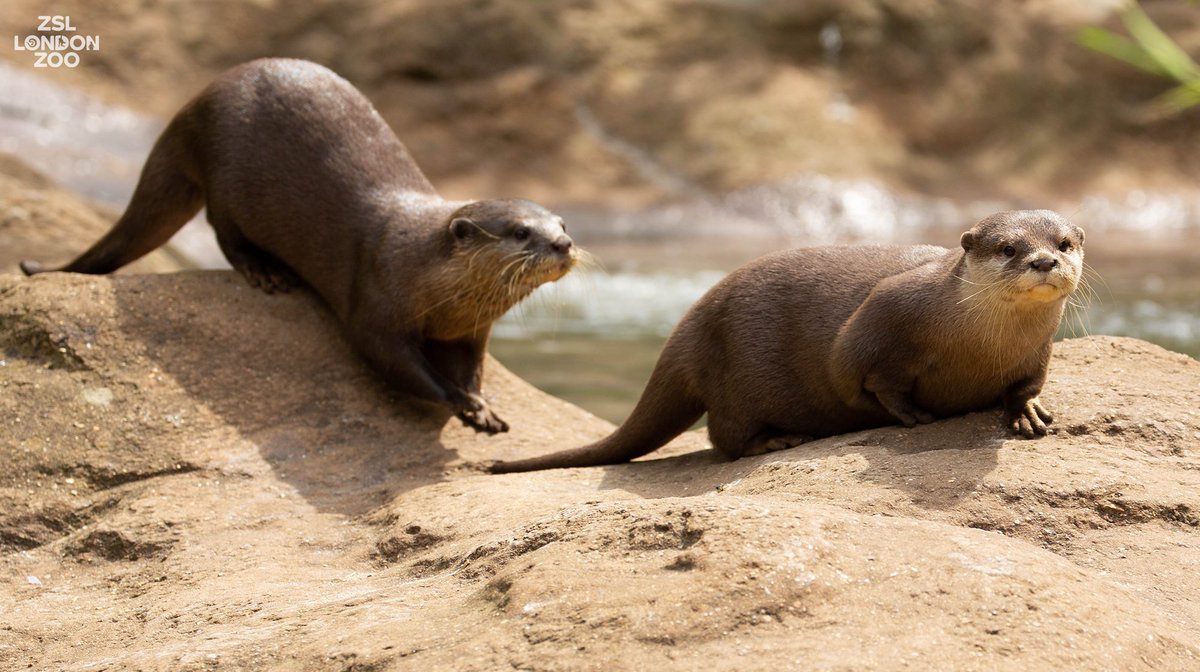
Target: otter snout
x: 562, y: 245
x: 1044, y: 264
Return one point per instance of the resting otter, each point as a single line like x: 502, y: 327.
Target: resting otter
x: 304, y: 181
x: 814, y: 342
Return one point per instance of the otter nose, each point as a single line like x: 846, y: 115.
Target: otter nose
x: 1044, y: 263
x: 562, y: 245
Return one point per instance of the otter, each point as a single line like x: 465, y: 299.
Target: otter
x: 809, y: 343
x: 304, y: 182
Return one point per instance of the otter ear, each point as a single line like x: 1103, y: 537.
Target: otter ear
x: 967, y: 241
x: 461, y: 227
x: 1079, y: 232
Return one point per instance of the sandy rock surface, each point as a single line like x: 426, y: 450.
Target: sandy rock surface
x: 196, y: 475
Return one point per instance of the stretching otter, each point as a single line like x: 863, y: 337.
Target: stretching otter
x: 814, y: 342
x: 303, y: 180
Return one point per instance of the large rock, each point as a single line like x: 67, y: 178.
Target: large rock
x: 196, y: 475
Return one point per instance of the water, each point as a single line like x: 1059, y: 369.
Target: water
x: 593, y: 338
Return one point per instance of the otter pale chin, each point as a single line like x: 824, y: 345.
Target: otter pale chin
x: 814, y: 342
x: 304, y: 182
x: 1045, y: 292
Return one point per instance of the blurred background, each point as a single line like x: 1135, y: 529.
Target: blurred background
x: 682, y: 138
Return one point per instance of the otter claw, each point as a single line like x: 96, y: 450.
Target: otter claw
x: 902, y: 409
x: 1031, y: 420
x: 483, y: 420
x: 271, y: 281
x: 772, y: 444
x: 917, y: 417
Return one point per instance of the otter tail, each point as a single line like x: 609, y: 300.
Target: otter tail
x: 165, y: 199
x: 667, y: 408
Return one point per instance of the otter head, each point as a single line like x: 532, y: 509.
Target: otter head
x: 1023, y: 256
x: 519, y: 241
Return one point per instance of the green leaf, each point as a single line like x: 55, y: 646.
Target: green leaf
x: 1153, y: 51
x: 1180, y: 98
x: 1158, y: 46
x: 1120, y: 48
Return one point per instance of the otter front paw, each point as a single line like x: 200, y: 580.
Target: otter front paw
x: 1029, y: 420
x: 479, y: 416
x: 483, y: 421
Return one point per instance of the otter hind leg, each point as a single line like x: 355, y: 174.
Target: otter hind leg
x: 738, y: 437
x: 903, y: 409
x: 769, y: 442
x: 735, y: 437
x: 260, y: 268
x: 266, y: 272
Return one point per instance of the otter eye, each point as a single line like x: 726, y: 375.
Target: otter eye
x: 1009, y: 251
x: 521, y: 232
x: 1064, y: 246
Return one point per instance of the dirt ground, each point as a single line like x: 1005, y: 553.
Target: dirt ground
x: 195, y: 475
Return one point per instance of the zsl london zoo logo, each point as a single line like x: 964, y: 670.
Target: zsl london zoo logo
x: 52, y: 47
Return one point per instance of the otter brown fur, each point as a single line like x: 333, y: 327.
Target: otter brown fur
x: 303, y: 180
x: 814, y: 342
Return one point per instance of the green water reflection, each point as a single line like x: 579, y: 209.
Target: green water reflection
x: 603, y: 375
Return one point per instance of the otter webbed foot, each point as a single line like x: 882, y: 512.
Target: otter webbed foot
x: 269, y: 276
x: 908, y: 413
x: 770, y: 444
x: 1029, y: 420
x: 261, y: 269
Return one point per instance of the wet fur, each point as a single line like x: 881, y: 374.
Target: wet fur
x: 814, y: 342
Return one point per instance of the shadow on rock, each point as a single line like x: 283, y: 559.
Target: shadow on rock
x: 934, y: 466
x: 276, y: 369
